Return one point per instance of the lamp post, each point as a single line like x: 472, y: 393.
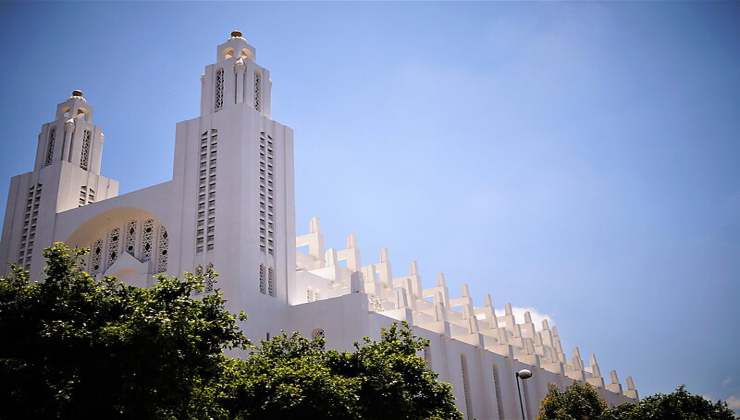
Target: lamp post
x: 522, y: 374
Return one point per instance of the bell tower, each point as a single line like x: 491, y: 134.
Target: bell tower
x: 65, y: 175
x: 71, y: 137
x: 234, y: 165
x: 235, y: 79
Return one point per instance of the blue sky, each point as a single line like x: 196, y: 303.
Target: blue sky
x: 581, y: 159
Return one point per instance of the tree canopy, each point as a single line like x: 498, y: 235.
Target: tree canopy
x: 680, y: 404
x: 73, y: 346
x: 294, y: 377
x: 76, y: 347
x: 580, y: 401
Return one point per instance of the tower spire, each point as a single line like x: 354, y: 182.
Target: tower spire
x: 235, y: 78
x: 66, y: 175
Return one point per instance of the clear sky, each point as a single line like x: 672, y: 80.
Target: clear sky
x: 580, y: 159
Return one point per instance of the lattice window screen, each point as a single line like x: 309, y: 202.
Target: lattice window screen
x: 30, y: 219
x: 163, y: 246
x: 96, y: 254
x: 114, y: 238
x: 146, y: 240
x: 50, y: 148
x: 219, y: 89
x: 266, y: 194
x: 262, y: 274
x: 271, y: 282
x: 212, y: 158
x: 85, y: 155
x: 131, y: 237
x: 205, y: 223
x: 258, y: 91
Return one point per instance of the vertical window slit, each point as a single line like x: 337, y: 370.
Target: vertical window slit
x: 50, y: 148
x: 219, y: 103
x: 85, y: 155
x: 258, y: 91
x: 466, y: 387
x: 497, y: 393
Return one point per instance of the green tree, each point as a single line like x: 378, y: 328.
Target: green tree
x: 75, y: 347
x: 680, y: 404
x: 579, y: 401
x: 394, y: 379
x: 286, y: 377
x: 290, y: 376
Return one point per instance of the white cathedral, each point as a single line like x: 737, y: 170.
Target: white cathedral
x: 230, y: 204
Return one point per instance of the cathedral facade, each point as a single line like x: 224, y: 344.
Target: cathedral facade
x: 230, y: 205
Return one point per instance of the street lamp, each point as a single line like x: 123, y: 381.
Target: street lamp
x: 522, y: 374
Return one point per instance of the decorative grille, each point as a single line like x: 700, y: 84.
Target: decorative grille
x: 146, y: 240
x: 131, y: 237
x: 163, y: 249
x: 258, y: 91
x: 219, y: 89
x: 50, y: 149
x: 85, y: 155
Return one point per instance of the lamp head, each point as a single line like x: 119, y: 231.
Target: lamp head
x: 524, y: 374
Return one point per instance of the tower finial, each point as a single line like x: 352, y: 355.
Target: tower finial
x: 236, y: 34
x: 77, y: 93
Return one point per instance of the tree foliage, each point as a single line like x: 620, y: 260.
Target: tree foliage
x: 76, y: 347
x: 581, y: 402
x: 294, y: 377
x: 73, y: 346
x: 680, y: 404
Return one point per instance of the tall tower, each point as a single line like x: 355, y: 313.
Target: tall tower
x: 234, y: 166
x: 66, y: 175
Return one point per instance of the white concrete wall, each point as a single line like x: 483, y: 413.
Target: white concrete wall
x: 346, y: 319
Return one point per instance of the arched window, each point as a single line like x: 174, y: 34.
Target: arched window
x: 258, y: 91
x: 114, y: 238
x: 163, y: 250
x: 95, y: 256
x: 219, y: 89
x: 146, y: 240
x: 131, y: 236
